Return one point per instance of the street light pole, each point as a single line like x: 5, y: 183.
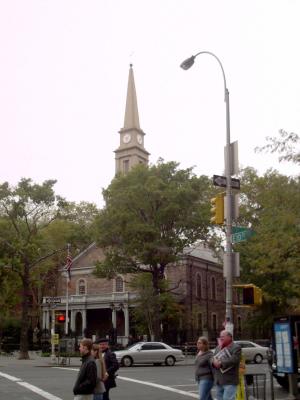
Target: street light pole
x: 228, y: 213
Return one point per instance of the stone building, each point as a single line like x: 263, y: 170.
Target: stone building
x: 103, y: 307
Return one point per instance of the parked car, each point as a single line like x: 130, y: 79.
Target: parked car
x: 155, y: 353
x: 253, y: 351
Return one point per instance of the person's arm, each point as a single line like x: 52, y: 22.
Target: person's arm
x: 90, y: 378
x: 234, y: 359
x: 112, y: 366
x: 103, y: 368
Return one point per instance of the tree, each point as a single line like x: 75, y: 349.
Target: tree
x: 151, y: 214
x: 270, y: 259
x: 26, y: 211
x: 146, y: 304
x: 285, y: 145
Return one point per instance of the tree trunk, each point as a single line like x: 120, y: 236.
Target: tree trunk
x: 157, y: 319
x: 25, y: 317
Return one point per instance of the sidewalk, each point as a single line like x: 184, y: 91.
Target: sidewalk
x: 38, y: 361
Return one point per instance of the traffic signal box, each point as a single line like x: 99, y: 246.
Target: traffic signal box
x: 61, y: 318
x: 217, y: 209
x: 251, y: 295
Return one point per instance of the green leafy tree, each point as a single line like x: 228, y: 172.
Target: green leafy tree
x: 151, y: 214
x: 26, y: 211
x: 285, y: 144
x: 270, y: 259
x: 147, y: 302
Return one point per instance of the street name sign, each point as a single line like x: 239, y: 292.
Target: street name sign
x: 240, y: 234
x: 221, y: 181
x: 53, y: 300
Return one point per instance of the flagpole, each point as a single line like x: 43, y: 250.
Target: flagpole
x: 67, y: 295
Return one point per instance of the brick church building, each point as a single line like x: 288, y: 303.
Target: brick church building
x: 101, y: 306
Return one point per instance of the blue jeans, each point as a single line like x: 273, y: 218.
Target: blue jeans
x: 226, y: 392
x: 98, y: 396
x: 205, y: 386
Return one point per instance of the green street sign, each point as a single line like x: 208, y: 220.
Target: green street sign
x: 237, y: 229
x: 242, y: 235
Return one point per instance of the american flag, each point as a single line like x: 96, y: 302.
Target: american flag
x: 68, y: 267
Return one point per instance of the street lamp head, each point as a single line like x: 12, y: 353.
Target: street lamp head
x: 186, y: 64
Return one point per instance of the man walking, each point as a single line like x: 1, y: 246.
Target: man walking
x: 226, y: 361
x: 87, y: 375
x: 112, y: 366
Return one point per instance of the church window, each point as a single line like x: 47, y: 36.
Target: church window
x: 119, y: 284
x: 81, y: 286
x: 198, y: 286
x: 125, y: 166
x: 214, y: 322
x: 213, y: 288
x: 199, y: 323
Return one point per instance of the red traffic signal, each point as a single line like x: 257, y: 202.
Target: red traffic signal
x: 61, y: 318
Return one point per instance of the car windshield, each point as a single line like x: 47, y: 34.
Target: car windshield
x: 134, y: 346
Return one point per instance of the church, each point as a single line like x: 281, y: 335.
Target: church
x: 99, y: 306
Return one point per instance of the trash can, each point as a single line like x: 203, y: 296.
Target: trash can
x: 255, y: 386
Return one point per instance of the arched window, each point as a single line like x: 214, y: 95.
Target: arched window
x: 119, y: 284
x: 198, y: 286
x: 199, y: 323
x: 213, y: 288
x: 214, y: 322
x: 81, y: 286
x: 239, y: 324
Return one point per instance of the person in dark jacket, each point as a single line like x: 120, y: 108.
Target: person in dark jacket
x: 203, y: 369
x: 112, y: 366
x: 226, y: 362
x: 87, y: 375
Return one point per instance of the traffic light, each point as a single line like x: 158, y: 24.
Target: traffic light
x: 61, y: 318
x: 217, y: 209
x: 251, y: 294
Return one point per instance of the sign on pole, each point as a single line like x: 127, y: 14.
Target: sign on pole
x: 53, y: 300
x: 55, y: 338
x: 221, y: 181
x: 240, y: 234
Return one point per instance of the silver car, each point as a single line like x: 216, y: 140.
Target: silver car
x: 155, y: 353
x: 252, y: 351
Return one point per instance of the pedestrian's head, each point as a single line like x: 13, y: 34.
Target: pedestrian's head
x: 103, y: 344
x: 96, y: 352
x: 202, y: 343
x: 85, y: 346
x: 225, y: 338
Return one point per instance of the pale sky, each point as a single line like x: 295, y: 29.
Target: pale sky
x: 63, y: 80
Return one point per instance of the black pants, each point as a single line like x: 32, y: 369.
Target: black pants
x: 106, y: 395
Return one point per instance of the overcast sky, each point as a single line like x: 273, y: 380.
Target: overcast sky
x: 63, y: 80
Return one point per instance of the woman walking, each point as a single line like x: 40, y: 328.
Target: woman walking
x: 203, y: 372
x: 101, y: 372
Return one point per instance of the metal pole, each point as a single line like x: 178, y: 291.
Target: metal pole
x: 228, y: 217
x: 52, y: 334
x: 228, y: 213
x: 67, y: 308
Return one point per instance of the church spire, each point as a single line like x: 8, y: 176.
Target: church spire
x: 131, y: 119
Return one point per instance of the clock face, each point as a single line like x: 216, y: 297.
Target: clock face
x: 139, y: 139
x: 126, y: 138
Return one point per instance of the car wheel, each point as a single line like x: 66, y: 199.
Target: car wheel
x: 170, y: 361
x: 258, y: 359
x: 126, y: 361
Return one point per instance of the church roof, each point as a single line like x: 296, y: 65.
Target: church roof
x: 131, y: 119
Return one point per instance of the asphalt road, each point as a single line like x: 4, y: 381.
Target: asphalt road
x: 37, y: 379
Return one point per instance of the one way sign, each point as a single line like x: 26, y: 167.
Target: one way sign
x: 219, y: 180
